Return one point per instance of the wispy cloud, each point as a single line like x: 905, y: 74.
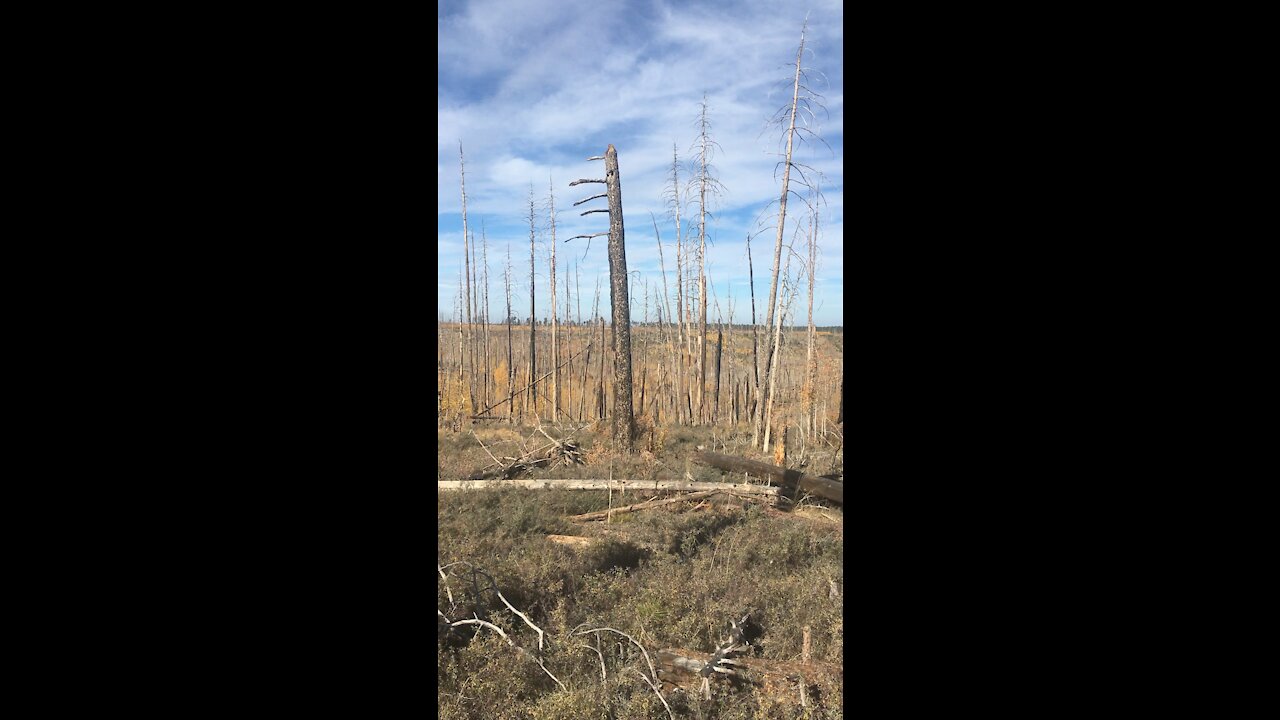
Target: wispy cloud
x: 533, y: 88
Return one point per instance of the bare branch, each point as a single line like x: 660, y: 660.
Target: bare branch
x: 519, y: 650
x: 659, y: 694
x: 603, y: 210
x: 446, y: 583
x: 477, y: 621
x: 499, y: 463
x: 525, y: 618
x: 593, y: 197
x: 633, y: 642
x: 579, y: 182
x: 595, y: 157
x: 575, y: 237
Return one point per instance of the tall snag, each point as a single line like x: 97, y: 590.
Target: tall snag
x: 800, y: 102
x: 555, y: 342
x: 623, y: 415
x: 511, y: 362
x: 706, y: 184
x: 531, y: 400
x: 672, y: 193
x: 466, y: 279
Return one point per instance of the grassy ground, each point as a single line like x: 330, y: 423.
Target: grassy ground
x: 670, y: 577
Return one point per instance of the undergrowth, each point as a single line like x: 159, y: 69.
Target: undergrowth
x: 670, y: 577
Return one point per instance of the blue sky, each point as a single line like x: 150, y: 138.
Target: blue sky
x: 532, y: 88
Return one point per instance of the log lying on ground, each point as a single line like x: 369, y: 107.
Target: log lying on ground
x: 617, y: 485
x: 601, y: 515
x: 822, y: 487
x: 573, y: 540
x: 816, y: 513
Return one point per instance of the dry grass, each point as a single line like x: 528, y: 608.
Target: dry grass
x: 671, y: 577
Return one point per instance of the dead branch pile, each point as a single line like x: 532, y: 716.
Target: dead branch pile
x: 554, y: 454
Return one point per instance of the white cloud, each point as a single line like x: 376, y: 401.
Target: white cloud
x: 532, y: 88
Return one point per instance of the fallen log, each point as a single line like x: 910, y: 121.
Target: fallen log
x: 816, y: 513
x: 621, y: 485
x: 822, y: 487
x: 602, y: 514
x: 572, y: 540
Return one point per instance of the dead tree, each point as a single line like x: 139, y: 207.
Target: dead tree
x: 811, y: 361
x: 673, y: 199
x: 818, y: 485
x: 555, y: 347
x: 840, y: 415
x: 790, y: 135
x: 568, y: 370
x: 623, y: 416
x: 466, y: 281
x: 705, y: 184
x: 775, y: 350
x: 755, y: 329
x: 488, y: 379
x: 511, y: 362
x: 666, y: 300
x: 533, y: 322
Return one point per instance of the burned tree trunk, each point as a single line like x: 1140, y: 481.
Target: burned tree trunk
x: 623, y: 415
x: 555, y: 341
x: 623, y: 418
x: 531, y: 400
x: 820, y: 486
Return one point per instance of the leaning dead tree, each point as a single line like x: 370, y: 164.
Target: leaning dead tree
x: 623, y: 417
x: 801, y: 105
x: 821, y: 486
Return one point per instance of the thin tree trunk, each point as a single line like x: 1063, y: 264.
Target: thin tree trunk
x: 601, y: 412
x: 703, y: 157
x: 488, y: 379
x: 666, y: 299
x: 555, y: 343
x: 511, y: 361
x: 715, y: 416
x: 782, y: 221
x: 568, y: 340
x: 811, y: 360
x: 466, y: 277
x: 681, y: 334
x: 772, y: 376
x: 755, y: 331
x: 461, y: 338
x: 533, y: 318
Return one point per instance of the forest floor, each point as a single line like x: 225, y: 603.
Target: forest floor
x: 670, y: 577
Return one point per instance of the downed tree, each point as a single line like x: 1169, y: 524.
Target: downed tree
x: 603, y: 514
x: 820, y: 486
x: 621, y: 485
x: 572, y: 540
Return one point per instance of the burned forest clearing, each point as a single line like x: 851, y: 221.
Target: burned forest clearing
x: 618, y: 614
x: 640, y: 479
x: 621, y: 575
